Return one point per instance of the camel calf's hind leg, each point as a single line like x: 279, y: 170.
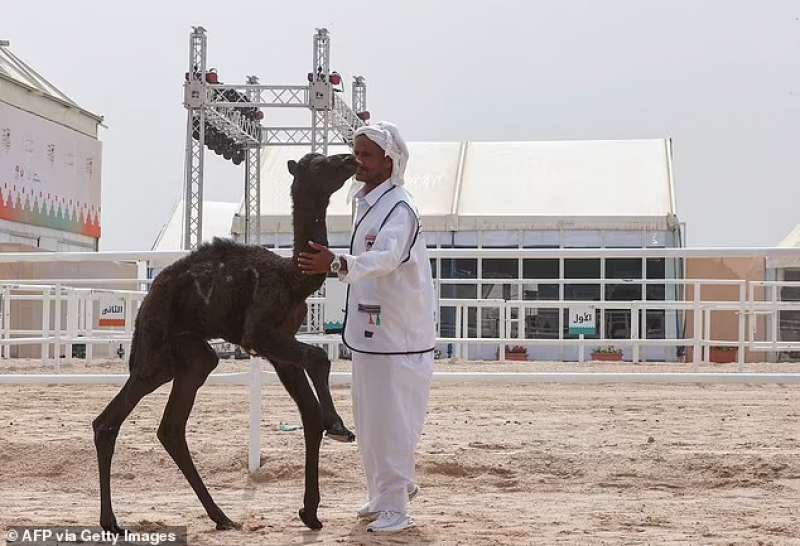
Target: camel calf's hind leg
x: 196, y: 360
x: 106, y: 428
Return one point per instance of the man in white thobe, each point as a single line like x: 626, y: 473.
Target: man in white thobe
x: 389, y: 324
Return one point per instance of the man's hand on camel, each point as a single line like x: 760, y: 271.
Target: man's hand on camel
x: 314, y: 263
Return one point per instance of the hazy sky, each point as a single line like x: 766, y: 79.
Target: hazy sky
x: 722, y: 78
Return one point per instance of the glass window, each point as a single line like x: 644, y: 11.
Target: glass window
x: 791, y: 275
x: 791, y: 293
x: 490, y: 322
x: 469, y: 323
x: 656, y: 324
x: 623, y: 268
x: 459, y: 291
x: 581, y: 268
x: 656, y: 268
x: 459, y: 268
x: 656, y: 292
x: 447, y: 321
x: 500, y: 291
x: 539, y: 291
x: 541, y: 323
x: 433, y: 267
x: 789, y: 325
x: 618, y: 323
x: 472, y: 322
x: 538, y: 268
x: 500, y: 268
x: 623, y: 292
x: 585, y: 292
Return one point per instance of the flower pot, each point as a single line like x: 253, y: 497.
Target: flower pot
x: 517, y: 356
x: 720, y: 356
x: 607, y: 357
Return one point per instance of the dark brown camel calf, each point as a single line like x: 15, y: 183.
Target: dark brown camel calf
x: 246, y: 295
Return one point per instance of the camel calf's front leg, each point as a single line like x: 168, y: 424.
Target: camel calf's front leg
x: 279, y: 347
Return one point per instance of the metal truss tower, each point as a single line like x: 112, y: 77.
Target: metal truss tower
x: 229, y: 110
x: 195, y: 124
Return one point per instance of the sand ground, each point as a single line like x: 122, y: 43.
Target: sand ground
x: 498, y: 463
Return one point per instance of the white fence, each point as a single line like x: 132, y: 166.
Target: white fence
x: 68, y: 307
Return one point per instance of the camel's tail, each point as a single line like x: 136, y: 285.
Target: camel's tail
x: 132, y: 356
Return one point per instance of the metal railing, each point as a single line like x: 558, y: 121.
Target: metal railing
x: 68, y: 316
x: 71, y: 321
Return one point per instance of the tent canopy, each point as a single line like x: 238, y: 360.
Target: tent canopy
x: 217, y: 218
x: 613, y: 184
x: 792, y: 240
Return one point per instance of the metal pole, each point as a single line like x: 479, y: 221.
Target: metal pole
x: 194, y: 100
x: 5, y: 350
x: 320, y: 111
x: 635, y: 332
x: 88, y: 322
x: 72, y: 327
x: 45, y: 350
x: 255, y: 380
x: 503, y: 315
x: 252, y: 184
x: 706, y: 334
x: 697, y: 318
x: 252, y: 209
x: 742, y: 300
x: 775, y: 318
x: 359, y: 98
x: 57, y: 328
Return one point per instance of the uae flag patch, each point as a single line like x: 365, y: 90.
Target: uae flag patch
x: 374, y: 312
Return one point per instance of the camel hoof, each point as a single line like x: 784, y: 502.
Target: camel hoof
x: 227, y: 525
x: 310, y: 520
x: 340, y: 433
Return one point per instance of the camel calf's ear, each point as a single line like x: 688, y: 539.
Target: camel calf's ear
x: 292, y: 165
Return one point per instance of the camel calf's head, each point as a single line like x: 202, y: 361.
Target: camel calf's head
x: 317, y: 176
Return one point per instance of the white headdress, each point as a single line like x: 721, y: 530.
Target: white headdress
x: 387, y: 136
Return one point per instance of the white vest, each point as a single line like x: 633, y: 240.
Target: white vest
x: 391, y: 314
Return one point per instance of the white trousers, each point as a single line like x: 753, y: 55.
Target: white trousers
x: 390, y: 400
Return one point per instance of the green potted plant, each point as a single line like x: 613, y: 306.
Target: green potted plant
x: 722, y: 355
x: 516, y: 352
x: 607, y: 353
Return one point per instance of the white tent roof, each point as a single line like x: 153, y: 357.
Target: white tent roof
x: 623, y: 184
x: 792, y: 240
x: 217, y: 218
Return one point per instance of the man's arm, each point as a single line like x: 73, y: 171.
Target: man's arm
x: 391, y: 246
